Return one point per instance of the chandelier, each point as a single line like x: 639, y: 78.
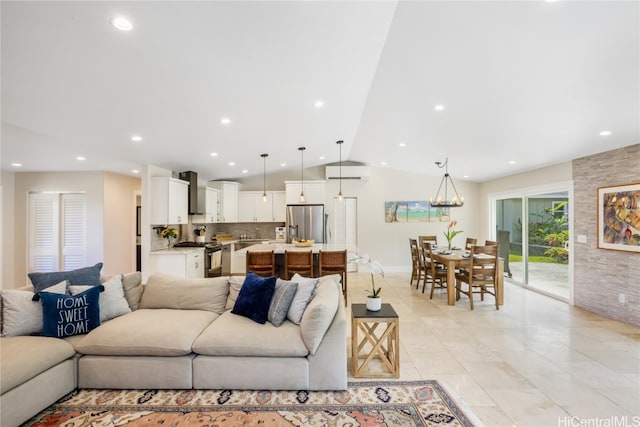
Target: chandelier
x: 444, y: 202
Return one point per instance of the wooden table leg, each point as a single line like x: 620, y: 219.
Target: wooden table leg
x: 451, y: 283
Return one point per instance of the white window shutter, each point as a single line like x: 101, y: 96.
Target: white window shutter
x: 43, y: 232
x: 74, y: 231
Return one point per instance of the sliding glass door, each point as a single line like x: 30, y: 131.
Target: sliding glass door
x: 535, y: 227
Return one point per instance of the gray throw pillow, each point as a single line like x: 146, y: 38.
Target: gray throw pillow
x: 87, y: 276
x: 281, y: 301
x: 303, y: 295
x: 111, y: 301
x: 22, y: 315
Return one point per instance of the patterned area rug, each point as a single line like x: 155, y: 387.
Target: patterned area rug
x: 397, y: 403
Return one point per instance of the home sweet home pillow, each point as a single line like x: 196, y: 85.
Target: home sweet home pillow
x: 65, y: 315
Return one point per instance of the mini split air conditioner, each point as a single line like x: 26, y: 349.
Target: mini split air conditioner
x: 348, y: 172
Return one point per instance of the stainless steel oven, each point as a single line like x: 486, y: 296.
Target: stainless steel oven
x: 212, y: 256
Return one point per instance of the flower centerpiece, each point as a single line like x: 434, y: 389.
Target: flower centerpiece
x: 169, y: 233
x: 451, y: 233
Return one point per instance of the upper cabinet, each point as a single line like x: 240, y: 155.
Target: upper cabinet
x: 313, y: 192
x: 279, y: 206
x: 253, y: 208
x: 228, y: 199
x: 209, y: 203
x: 169, y: 201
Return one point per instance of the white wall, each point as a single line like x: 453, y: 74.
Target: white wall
x: 120, y: 223
x: 7, y: 233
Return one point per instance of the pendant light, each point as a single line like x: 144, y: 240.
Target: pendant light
x: 438, y: 201
x: 340, y: 197
x: 264, y: 176
x: 301, y: 149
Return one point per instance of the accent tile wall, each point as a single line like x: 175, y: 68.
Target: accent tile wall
x: 602, y: 275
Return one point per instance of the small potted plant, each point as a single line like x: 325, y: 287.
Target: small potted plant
x: 374, y: 301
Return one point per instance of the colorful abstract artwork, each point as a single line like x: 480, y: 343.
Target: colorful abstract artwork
x: 619, y: 217
x: 414, y: 211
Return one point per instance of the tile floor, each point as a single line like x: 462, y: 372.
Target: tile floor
x: 535, y: 362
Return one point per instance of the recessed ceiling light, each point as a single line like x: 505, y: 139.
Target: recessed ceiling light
x: 81, y: 158
x: 231, y: 163
x: 245, y: 171
x: 439, y: 107
x: 321, y: 157
x: 512, y: 162
x: 319, y: 103
x: 283, y: 164
x: 136, y: 138
x: 465, y: 176
x: 135, y: 171
x: 225, y: 120
x: 16, y: 164
x: 383, y: 163
x: 402, y: 145
x: 605, y: 133
x: 122, y: 23
x: 214, y: 154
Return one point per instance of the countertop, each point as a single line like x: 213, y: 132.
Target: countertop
x: 279, y: 248
x: 177, y: 251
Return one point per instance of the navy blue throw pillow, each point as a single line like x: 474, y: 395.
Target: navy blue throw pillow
x: 254, y: 298
x: 87, y: 276
x: 65, y: 315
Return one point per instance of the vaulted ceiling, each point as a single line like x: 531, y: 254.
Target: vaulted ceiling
x: 522, y: 84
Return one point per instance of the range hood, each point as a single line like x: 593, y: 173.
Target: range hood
x: 192, y: 178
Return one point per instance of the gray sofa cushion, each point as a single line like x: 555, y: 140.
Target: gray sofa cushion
x: 157, y: 332
x: 25, y: 357
x: 320, y: 313
x: 233, y: 335
x: 166, y: 291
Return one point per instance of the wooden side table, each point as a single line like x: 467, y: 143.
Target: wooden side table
x: 385, y: 344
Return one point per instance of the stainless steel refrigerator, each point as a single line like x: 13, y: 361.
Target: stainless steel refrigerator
x: 306, y: 222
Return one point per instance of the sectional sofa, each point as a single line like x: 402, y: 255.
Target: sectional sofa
x: 180, y: 334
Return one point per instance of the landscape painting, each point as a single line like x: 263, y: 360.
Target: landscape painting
x: 619, y: 217
x: 414, y: 211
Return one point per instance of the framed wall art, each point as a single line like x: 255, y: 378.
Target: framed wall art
x: 619, y: 217
x: 414, y: 211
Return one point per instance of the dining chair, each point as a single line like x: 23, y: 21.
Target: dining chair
x: 490, y: 243
x: 435, y: 273
x: 417, y: 270
x: 262, y: 263
x: 300, y: 262
x: 481, y: 276
x: 469, y: 243
x: 334, y: 262
x: 430, y: 239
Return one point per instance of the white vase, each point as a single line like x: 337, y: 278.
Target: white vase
x: 374, y: 304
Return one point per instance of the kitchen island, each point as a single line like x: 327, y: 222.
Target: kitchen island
x: 280, y: 248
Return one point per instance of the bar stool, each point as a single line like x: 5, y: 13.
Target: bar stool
x: 334, y: 262
x: 262, y: 263
x: 300, y: 262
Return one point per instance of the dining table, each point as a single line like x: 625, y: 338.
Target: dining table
x: 455, y: 258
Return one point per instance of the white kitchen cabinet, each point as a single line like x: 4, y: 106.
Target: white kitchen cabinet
x: 228, y: 199
x: 279, y: 206
x: 169, y: 201
x: 187, y: 263
x: 253, y: 208
x: 313, y: 192
x: 209, y: 204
